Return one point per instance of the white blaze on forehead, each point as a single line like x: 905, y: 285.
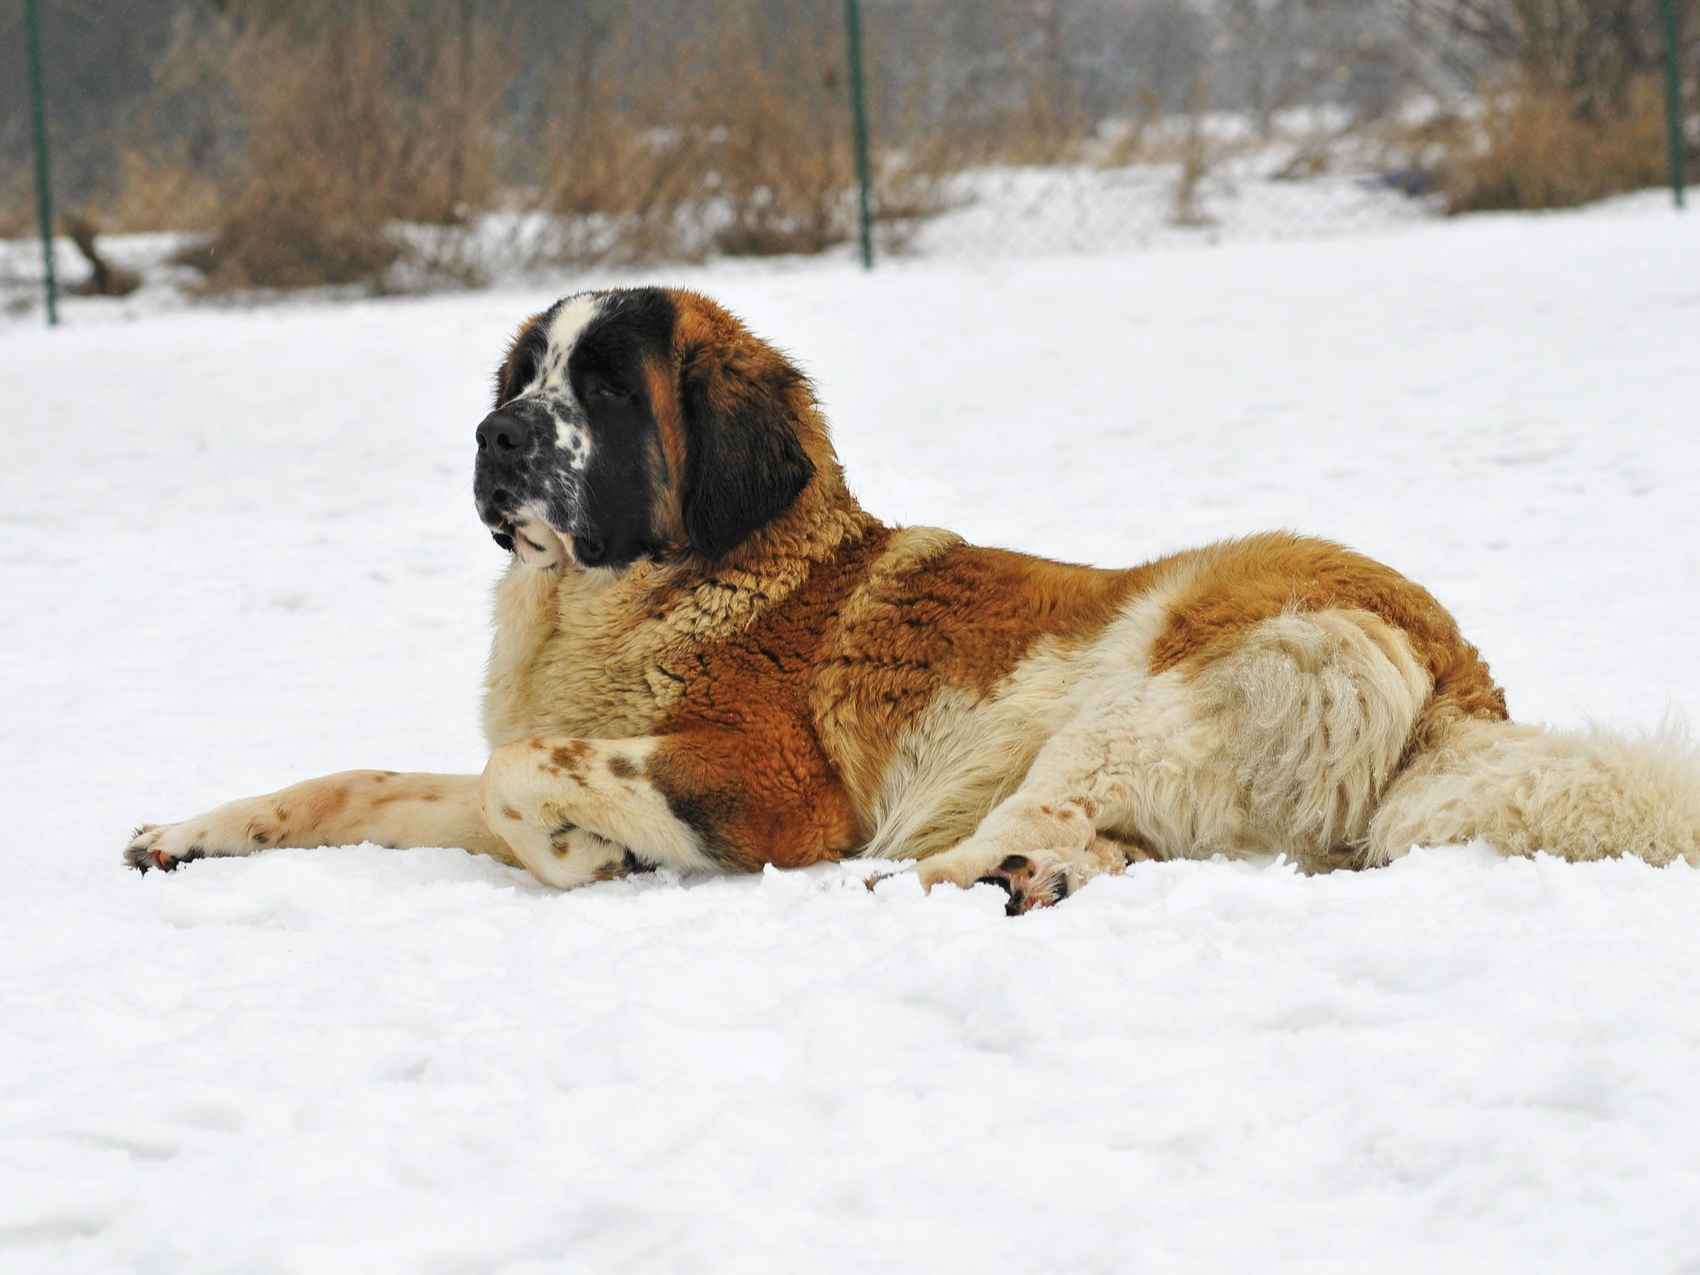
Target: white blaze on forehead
x: 575, y: 314
x: 571, y: 319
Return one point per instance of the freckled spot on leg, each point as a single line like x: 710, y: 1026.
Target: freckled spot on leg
x: 328, y: 804
x: 508, y: 812
x: 260, y: 838
x: 622, y: 767
x: 431, y: 796
x: 566, y: 759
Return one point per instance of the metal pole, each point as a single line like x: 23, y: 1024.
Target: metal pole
x: 1673, y: 102
x: 43, y: 188
x: 859, y: 109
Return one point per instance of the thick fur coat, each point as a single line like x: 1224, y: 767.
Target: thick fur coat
x: 708, y: 656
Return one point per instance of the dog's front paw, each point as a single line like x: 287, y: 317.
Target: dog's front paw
x: 229, y: 830
x: 160, y: 846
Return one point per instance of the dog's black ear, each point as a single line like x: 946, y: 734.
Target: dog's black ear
x: 744, y: 463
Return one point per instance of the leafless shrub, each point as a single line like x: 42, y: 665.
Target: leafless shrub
x: 1576, y: 114
x: 17, y: 206
x: 358, y: 115
x: 160, y: 189
x: 1195, y: 160
x: 1535, y: 149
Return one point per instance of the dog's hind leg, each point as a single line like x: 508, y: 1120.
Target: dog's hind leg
x: 388, y: 808
x: 1282, y: 744
x: 1117, y: 781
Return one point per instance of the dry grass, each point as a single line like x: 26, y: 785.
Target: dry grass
x: 747, y: 153
x: 357, y: 118
x: 161, y: 189
x: 17, y: 206
x: 1535, y: 148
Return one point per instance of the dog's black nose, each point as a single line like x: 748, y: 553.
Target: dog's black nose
x: 502, y: 432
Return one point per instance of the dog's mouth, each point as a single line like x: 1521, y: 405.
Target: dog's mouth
x: 515, y: 528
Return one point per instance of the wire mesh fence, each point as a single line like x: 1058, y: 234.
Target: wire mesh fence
x: 396, y: 142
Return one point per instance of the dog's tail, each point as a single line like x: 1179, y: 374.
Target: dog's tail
x: 1589, y: 794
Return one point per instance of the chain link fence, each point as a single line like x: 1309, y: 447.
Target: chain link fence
x: 400, y: 143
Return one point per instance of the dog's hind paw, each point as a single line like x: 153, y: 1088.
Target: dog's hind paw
x: 1031, y: 880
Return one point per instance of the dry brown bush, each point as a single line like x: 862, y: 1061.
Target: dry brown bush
x: 747, y: 153
x: 17, y: 206
x: 617, y: 167
x: 161, y: 189
x: 777, y: 168
x: 359, y: 115
x: 1536, y: 148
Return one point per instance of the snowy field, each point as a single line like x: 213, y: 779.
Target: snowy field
x: 237, y: 549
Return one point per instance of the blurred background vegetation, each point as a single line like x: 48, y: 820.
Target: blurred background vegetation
x: 295, y: 142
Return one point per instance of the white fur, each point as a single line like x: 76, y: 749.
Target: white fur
x: 607, y: 813
x: 569, y: 322
x: 551, y: 382
x: 966, y: 754
x: 1284, y: 745
x: 1589, y: 794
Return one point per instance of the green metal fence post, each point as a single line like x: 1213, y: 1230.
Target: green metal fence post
x: 1673, y: 102
x: 859, y: 109
x: 43, y: 187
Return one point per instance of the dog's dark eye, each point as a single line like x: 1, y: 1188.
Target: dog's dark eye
x: 598, y: 390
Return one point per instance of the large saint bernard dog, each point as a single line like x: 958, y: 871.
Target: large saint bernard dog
x: 708, y: 656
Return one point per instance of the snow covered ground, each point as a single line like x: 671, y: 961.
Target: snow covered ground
x: 237, y: 549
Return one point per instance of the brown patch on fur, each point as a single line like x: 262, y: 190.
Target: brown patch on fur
x: 1240, y: 582
x: 661, y: 378
x: 741, y: 762
x: 568, y: 759
x: 323, y: 803
x: 622, y: 767
x: 508, y: 812
x: 756, y: 797
x: 936, y: 613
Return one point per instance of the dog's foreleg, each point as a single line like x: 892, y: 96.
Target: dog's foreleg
x: 381, y: 806
x: 582, y: 810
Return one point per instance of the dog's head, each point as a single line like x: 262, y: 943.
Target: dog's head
x: 645, y: 423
